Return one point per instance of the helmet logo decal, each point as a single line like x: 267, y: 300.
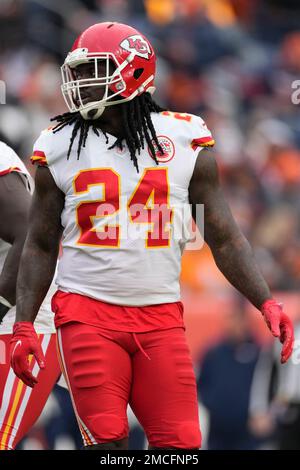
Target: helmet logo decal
x: 137, y: 44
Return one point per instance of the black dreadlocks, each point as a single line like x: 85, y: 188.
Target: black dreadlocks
x: 137, y: 125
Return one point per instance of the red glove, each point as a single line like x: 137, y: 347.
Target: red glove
x: 23, y: 343
x: 280, y: 325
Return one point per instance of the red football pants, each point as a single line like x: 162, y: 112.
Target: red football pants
x: 20, y: 406
x: 153, y: 372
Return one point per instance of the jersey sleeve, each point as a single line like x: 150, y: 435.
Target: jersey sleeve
x: 7, y: 160
x: 42, y: 149
x: 45, y: 153
x: 10, y: 162
x: 201, y: 136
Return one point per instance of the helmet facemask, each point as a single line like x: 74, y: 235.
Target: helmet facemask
x: 73, y: 89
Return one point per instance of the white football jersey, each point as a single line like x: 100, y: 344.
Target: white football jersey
x: 118, y: 246
x: 10, y: 162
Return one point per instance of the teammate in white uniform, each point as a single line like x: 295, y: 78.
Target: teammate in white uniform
x: 20, y: 406
x: 114, y: 162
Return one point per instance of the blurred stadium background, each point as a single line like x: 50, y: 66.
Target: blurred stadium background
x: 232, y: 62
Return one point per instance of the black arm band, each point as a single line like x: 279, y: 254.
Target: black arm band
x: 3, y: 311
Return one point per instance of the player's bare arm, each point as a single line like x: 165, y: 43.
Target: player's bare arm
x: 40, y: 252
x: 14, y: 209
x: 231, y: 251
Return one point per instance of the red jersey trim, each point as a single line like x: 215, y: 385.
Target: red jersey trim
x: 39, y: 158
x: 203, y: 142
x: 10, y: 170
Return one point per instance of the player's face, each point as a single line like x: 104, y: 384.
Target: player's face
x: 86, y: 72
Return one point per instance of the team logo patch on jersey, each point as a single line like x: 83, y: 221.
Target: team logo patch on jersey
x: 137, y: 44
x: 167, y: 146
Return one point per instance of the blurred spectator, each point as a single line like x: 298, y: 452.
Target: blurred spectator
x: 224, y: 385
x: 275, y: 398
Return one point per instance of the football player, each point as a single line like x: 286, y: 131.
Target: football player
x: 111, y: 175
x: 20, y: 405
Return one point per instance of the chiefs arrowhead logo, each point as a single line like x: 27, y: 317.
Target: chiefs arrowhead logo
x: 168, y: 147
x: 137, y: 44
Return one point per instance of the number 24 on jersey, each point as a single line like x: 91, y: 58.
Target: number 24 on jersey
x: 148, y: 204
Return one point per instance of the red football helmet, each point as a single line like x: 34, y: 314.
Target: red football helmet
x: 130, y: 52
